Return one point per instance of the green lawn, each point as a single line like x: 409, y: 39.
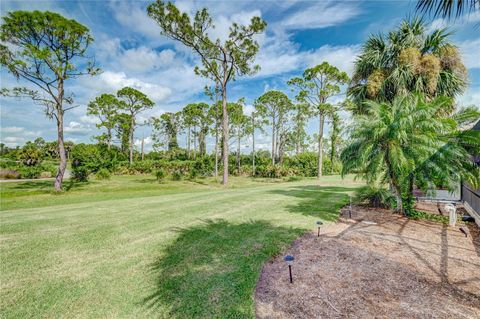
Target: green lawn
x: 131, y: 247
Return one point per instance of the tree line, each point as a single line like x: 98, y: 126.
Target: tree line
x: 407, y: 129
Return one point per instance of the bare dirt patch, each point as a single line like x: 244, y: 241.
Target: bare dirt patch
x: 376, y: 265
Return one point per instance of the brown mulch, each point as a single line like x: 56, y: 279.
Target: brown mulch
x: 376, y: 265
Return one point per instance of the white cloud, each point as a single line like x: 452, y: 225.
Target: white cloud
x: 280, y: 55
x: 134, y: 17
x: 321, y: 14
x: 137, y: 59
x: 12, y: 129
x: 113, y: 81
x: 14, y: 136
x: 470, y: 51
x: 471, y: 97
x: 248, y: 109
x: 76, y: 128
x: 89, y: 119
x: 460, y: 23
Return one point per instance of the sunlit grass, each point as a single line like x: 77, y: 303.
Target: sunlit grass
x: 131, y: 247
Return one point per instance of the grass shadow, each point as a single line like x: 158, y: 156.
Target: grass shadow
x: 42, y: 186
x: 317, y: 201
x: 210, y: 270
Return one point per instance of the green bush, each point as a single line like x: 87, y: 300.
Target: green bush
x: 80, y: 173
x: 103, y: 174
x: 375, y: 196
x: 29, y: 172
x: 160, y: 175
x: 177, y: 175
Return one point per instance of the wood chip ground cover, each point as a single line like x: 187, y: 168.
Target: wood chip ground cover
x: 396, y: 268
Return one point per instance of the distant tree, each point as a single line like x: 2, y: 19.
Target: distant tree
x: 315, y: 87
x: 214, y: 114
x: 105, y: 107
x: 133, y: 102
x: 122, y: 128
x: 447, y: 8
x: 240, y: 127
x: 222, y: 61
x: 273, y: 107
x: 256, y: 123
x: 188, y: 119
x: 30, y: 154
x: 45, y: 49
x: 166, y: 129
x: 204, y: 122
x: 407, y: 60
x: 196, y: 117
x: 334, y: 138
x: 302, y: 114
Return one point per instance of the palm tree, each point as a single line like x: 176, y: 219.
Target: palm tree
x: 407, y: 60
x: 405, y: 143
x: 447, y: 8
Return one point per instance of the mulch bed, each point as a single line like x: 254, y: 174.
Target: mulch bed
x: 376, y: 265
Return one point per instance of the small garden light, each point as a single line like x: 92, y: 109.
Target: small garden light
x: 289, y: 260
x: 350, y: 210
x: 319, y: 223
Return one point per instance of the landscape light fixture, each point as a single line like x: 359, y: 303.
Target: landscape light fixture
x: 319, y: 223
x: 289, y: 260
x: 350, y: 210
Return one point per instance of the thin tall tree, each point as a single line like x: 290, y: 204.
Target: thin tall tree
x: 222, y: 60
x: 46, y: 50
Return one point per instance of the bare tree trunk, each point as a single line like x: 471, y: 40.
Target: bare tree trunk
x: 216, y: 148
x: 61, y: 151
x: 273, y: 141
x: 253, y: 146
x: 143, y: 144
x: 109, y: 137
x: 225, y: 134
x: 216, y: 129
x: 132, y: 129
x: 188, y: 142
x: 194, y: 142
x: 238, y: 149
x: 320, y: 144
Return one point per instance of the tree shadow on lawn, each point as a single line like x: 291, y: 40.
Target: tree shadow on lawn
x: 210, y: 270
x: 323, y: 202
x: 47, y: 186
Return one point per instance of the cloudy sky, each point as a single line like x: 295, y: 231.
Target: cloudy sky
x: 131, y: 52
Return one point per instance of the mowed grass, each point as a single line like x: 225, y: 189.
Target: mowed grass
x: 131, y: 247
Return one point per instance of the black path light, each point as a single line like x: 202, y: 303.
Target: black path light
x: 319, y: 223
x: 289, y: 260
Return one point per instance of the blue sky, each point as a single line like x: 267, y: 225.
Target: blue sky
x: 130, y: 51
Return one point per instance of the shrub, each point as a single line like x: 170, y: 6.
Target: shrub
x: 103, y: 174
x: 375, y: 196
x: 160, y: 175
x: 9, y: 174
x: 30, y: 172
x: 45, y: 174
x: 80, y: 173
x: 177, y: 175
